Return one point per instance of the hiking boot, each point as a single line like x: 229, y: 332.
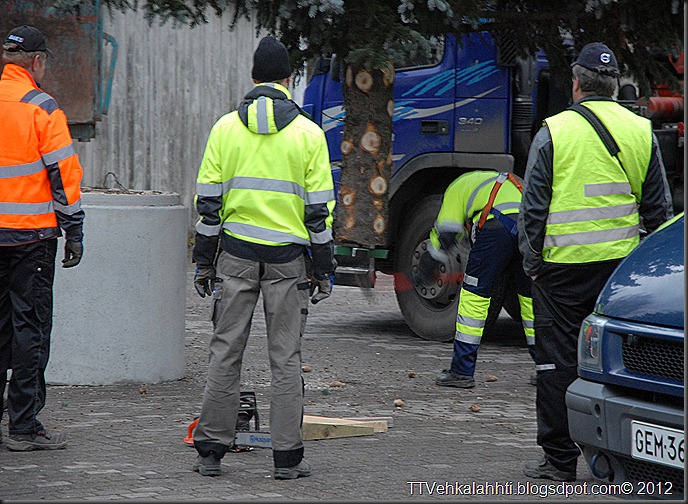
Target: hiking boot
x: 448, y: 379
x: 302, y: 470
x: 40, y: 441
x: 208, y: 466
x: 543, y: 469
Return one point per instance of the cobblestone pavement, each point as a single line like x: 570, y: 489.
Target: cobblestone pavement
x: 126, y: 440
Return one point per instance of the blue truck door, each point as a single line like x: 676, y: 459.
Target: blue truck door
x: 424, y: 108
x: 482, y: 97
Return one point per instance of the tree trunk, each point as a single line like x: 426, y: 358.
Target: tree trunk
x: 362, y: 211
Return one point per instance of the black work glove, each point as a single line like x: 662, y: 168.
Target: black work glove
x: 428, y: 270
x: 323, y: 287
x: 204, y: 281
x: 72, y: 253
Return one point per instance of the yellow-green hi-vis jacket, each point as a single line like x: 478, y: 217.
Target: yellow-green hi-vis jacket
x: 265, y: 178
x: 593, y: 214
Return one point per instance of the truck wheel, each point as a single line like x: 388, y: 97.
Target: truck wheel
x: 430, y: 308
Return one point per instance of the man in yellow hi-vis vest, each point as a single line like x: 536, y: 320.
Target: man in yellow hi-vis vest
x: 584, y: 203
x: 265, y: 193
x: 482, y: 204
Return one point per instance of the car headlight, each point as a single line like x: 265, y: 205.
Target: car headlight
x: 590, y: 343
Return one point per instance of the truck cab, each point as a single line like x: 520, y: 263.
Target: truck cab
x: 453, y: 113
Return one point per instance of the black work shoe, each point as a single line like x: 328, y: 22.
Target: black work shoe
x: 41, y: 441
x: 208, y: 466
x: 302, y: 470
x: 448, y: 379
x: 543, y: 469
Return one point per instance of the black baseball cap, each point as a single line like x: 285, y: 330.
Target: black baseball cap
x: 26, y: 39
x: 598, y: 58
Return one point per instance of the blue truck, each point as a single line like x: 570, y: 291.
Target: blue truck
x: 626, y: 409
x: 475, y: 106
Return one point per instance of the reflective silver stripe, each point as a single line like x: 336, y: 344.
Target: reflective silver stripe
x: 265, y: 184
x: 318, y: 197
x: 207, y: 230
x: 530, y: 340
x: 545, y: 367
x: 40, y: 99
x: 507, y: 206
x: 473, y: 195
x: 263, y: 234
x: 470, y: 321
x: 321, y: 237
x: 209, y: 190
x: 607, y: 189
x: 59, y: 154
x: 262, y: 116
x: 26, y: 208
x: 67, y: 209
x: 449, y: 227
x: 528, y: 324
x: 501, y: 178
x: 592, y: 214
x: 467, y: 338
x: 590, y: 237
x: 470, y: 280
x: 21, y: 170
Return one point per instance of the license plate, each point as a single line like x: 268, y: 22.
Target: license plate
x: 654, y: 443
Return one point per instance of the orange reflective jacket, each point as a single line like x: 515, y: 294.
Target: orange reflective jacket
x: 40, y: 173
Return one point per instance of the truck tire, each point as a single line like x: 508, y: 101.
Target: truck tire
x: 430, y: 309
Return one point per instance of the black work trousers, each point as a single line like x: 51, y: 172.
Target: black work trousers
x: 27, y: 273
x: 563, y: 295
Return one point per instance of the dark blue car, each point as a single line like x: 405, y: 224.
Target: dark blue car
x: 626, y: 408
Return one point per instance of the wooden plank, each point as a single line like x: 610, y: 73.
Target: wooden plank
x: 388, y: 419
x: 379, y: 425
x: 313, y: 431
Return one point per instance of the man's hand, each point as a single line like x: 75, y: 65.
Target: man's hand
x: 204, y: 281
x: 324, y: 288
x: 72, y: 253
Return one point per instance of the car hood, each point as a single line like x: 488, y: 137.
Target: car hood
x: 648, y: 286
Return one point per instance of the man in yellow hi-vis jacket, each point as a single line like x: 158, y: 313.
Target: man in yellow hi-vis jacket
x: 482, y: 204
x: 265, y: 192
x: 584, y: 201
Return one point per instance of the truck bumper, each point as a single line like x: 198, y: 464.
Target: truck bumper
x: 600, y: 423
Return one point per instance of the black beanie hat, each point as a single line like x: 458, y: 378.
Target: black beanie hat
x: 270, y: 61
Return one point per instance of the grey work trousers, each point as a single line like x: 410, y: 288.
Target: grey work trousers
x: 285, y: 300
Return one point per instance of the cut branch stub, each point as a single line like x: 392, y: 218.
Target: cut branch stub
x: 347, y: 197
x: 349, y: 76
x: 370, y: 140
x: 364, y: 81
x: 379, y: 225
x: 346, y: 146
x: 378, y: 185
x: 390, y: 108
x: 388, y: 75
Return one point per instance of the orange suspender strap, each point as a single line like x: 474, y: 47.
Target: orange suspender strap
x: 493, y: 194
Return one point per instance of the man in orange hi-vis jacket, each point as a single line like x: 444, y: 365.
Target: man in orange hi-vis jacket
x: 40, y: 196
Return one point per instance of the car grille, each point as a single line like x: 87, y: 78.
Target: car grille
x: 644, y: 471
x: 653, y: 357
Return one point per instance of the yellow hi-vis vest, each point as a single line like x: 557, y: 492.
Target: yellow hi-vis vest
x: 593, y: 213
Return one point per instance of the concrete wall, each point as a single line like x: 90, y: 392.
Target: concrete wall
x: 170, y: 85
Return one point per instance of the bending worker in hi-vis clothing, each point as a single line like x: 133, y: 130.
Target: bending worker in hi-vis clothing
x: 482, y: 204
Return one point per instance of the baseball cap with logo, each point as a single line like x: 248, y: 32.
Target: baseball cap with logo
x: 598, y: 58
x: 26, y: 39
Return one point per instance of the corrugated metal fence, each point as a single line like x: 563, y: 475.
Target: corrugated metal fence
x: 170, y: 85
